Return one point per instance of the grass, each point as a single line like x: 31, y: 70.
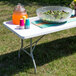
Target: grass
x: 55, y: 54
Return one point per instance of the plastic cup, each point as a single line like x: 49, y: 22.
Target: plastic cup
x: 21, y: 23
x: 27, y: 24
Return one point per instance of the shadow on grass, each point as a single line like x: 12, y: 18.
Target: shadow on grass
x: 43, y: 53
x: 39, y: 2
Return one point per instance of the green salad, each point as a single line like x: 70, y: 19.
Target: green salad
x: 57, y: 15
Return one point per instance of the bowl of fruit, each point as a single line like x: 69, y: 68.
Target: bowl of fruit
x: 54, y: 14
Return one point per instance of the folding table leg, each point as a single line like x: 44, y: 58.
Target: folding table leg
x: 20, y: 48
x: 35, y: 70
x: 31, y: 53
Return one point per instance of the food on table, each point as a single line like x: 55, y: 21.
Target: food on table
x: 56, y: 14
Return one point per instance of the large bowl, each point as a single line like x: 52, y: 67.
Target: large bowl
x: 51, y: 18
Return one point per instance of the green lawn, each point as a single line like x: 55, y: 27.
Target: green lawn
x: 55, y: 54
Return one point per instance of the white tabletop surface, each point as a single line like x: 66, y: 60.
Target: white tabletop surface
x: 34, y: 30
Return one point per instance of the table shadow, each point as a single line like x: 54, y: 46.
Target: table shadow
x: 44, y: 53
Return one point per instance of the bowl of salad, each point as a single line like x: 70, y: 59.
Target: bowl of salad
x: 54, y: 14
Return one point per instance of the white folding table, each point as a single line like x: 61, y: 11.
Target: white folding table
x: 35, y: 31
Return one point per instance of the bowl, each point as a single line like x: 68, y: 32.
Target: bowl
x: 54, y: 14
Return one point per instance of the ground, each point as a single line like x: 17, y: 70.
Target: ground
x: 55, y: 54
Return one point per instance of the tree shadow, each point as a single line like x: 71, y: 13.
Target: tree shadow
x: 43, y: 53
x: 39, y: 2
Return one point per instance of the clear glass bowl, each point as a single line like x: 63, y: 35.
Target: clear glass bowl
x: 51, y: 18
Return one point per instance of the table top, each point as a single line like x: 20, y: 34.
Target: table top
x: 34, y: 30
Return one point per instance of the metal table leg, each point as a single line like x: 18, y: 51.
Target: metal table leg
x: 20, y: 48
x: 31, y: 50
x: 31, y: 53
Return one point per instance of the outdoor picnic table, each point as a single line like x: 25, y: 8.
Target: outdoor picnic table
x: 35, y: 31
